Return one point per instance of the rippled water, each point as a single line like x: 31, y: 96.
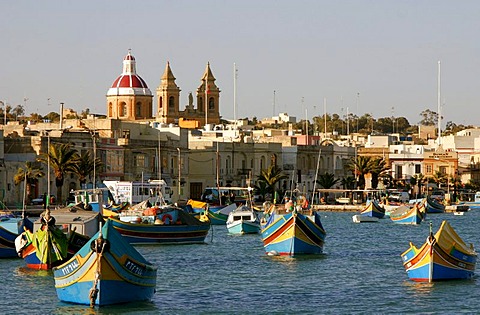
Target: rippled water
x: 360, y: 272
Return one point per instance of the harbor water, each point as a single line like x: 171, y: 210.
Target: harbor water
x: 361, y: 272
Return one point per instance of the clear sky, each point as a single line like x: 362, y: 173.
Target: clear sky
x: 377, y: 57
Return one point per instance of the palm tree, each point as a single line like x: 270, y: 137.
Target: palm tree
x: 85, y: 166
x: 63, y: 158
x: 439, y: 178
x: 327, y: 180
x: 261, y: 188
x: 271, y: 176
x: 377, y: 167
x: 348, y: 182
x: 360, y: 167
x: 31, y: 172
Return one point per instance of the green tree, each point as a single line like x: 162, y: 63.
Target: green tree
x: 327, y: 180
x: 271, y: 176
x: 63, y: 160
x: 85, y: 166
x: 31, y: 172
x: 348, y: 182
x: 360, y: 167
x: 429, y: 118
x: 377, y: 167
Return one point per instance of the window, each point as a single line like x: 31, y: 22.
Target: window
x: 428, y: 168
x: 171, y: 103
x: 418, y: 168
x: 123, y: 109
x: 138, y: 109
x: 211, y: 103
x: 139, y: 160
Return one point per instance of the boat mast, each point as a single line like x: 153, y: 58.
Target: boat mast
x: 439, y: 106
x: 235, y: 92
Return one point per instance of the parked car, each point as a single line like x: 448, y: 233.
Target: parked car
x: 40, y: 200
x: 399, y: 196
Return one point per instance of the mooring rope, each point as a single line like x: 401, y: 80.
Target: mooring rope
x: 99, y: 246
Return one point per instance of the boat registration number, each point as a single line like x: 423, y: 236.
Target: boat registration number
x: 134, y: 267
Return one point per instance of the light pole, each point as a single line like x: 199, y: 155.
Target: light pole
x: 179, y: 172
x: 4, y: 112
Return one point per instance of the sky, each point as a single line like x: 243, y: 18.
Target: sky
x: 298, y: 57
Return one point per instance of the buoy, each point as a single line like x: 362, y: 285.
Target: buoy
x: 272, y: 253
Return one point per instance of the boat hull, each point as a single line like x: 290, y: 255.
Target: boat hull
x: 10, y: 228
x: 118, y: 272
x: 243, y: 227
x: 293, y: 234
x: 138, y: 233
x: 407, y: 215
x: 440, y: 258
x: 373, y: 209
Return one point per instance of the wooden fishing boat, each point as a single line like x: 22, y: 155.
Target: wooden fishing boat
x: 293, y: 233
x: 444, y: 256
x: 54, y: 241
x: 433, y: 206
x: 373, y: 209
x: 10, y: 228
x: 409, y: 215
x: 219, y: 216
x: 107, y: 270
x: 166, y: 224
x: 243, y: 220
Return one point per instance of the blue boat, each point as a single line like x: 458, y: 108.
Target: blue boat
x: 444, y: 256
x: 107, y: 270
x: 162, y: 225
x: 243, y: 220
x: 433, y: 206
x: 293, y: 233
x: 10, y: 228
x: 373, y: 209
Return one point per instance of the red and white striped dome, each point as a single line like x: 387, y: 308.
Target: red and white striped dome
x: 129, y: 82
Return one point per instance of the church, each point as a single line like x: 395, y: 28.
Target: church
x: 130, y: 99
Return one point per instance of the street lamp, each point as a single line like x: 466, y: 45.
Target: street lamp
x: 179, y: 172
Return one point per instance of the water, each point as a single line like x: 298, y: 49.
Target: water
x: 361, y: 272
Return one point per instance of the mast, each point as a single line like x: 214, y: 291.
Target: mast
x: 325, y: 116
x: 439, y: 106
x: 235, y: 92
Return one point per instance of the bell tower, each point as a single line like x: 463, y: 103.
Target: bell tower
x: 168, y: 97
x: 208, y: 98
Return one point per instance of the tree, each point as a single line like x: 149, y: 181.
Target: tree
x: 63, y: 158
x: 377, y: 167
x: 18, y: 111
x: 31, y: 172
x: 327, y: 180
x: 429, y: 118
x: 348, y: 182
x: 360, y: 167
x: 85, y: 166
x: 271, y: 176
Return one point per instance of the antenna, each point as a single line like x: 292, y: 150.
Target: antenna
x: 273, y: 114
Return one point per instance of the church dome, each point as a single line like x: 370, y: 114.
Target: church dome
x: 129, y: 82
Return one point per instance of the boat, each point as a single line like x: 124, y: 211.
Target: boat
x: 409, y: 215
x: 459, y: 213
x: 107, y: 270
x: 474, y: 204
x: 10, y: 227
x: 292, y: 232
x: 444, y: 256
x: 134, y: 192
x: 243, y: 220
x: 433, y: 206
x: 56, y: 239
x: 219, y: 216
x: 166, y: 224
x: 360, y: 218
x: 373, y: 209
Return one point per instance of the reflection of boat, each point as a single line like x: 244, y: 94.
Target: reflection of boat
x: 106, y: 270
x: 10, y: 228
x: 243, y: 220
x: 409, y: 215
x: 293, y: 232
x: 373, y: 209
x: 166, y: 224
x: 444, y: 256
x: 360, y: 218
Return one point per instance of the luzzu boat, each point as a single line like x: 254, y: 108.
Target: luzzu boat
x: 166, y: 224
x: 10, y: 228
x: 293, y: 233
x: 373, y: 209
x: 219, y: 216
x: 107, y: 270
x: 243, y: 220
x: 433, y: 206
x: 444, y: 256
x: 409, y: 215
